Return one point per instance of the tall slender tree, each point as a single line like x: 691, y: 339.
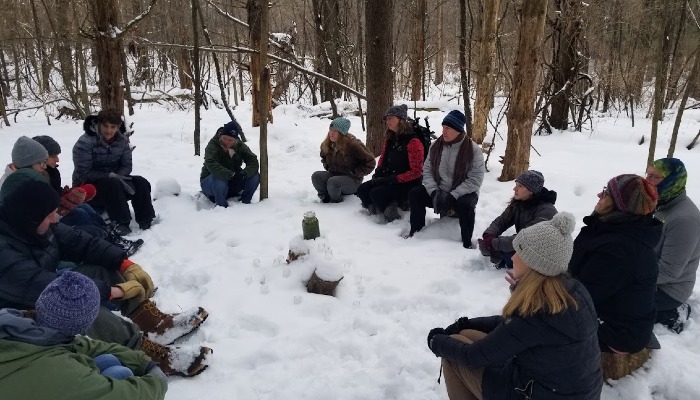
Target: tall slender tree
x: 378, y: 61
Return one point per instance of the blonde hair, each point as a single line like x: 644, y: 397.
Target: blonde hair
x: 536, y: 293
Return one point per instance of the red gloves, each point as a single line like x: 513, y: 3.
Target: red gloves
x: 72, y: 197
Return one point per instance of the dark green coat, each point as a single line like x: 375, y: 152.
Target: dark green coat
x: 217, y: 161
x: 28, y: 371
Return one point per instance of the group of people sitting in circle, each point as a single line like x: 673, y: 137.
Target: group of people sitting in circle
x: 632, y: 265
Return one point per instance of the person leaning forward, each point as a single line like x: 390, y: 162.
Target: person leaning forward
x: 223, y: 175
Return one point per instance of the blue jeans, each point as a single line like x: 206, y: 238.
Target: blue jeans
x: 506, y: 259
x: 221, y: 190
x: 83, y: 214
x: 111, y: 367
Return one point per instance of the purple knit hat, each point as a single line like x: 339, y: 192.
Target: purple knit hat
x: 69, y: 304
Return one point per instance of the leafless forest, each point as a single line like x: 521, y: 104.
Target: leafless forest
x: 557, y: 62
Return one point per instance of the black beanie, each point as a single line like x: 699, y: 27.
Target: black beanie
x: 51, y: 146
x: 26, y: 207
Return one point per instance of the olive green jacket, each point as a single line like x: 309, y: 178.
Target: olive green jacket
x: 217, y: 161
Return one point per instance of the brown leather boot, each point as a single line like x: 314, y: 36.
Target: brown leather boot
x: 177, y: 360
x: 166, y: 328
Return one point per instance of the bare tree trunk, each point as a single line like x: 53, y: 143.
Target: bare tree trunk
x: 521, y: 109
x: 3, y: 111
x: 440, y: 55
x: 463, y: 68
x: 689, y: 87
x: 108, y: 53
x: 83, y: 89
x: 567, y: 64
x: 127, y: 86
x: 45, y: 61
x: 660, y: 79
x: 328, y: 44
x: 485, y: 77
x: 418, y: 51
x: 378, y: 61
x: 197, y: 77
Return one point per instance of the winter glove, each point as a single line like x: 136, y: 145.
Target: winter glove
x: 71, y: 199
x: 458, y: 326
x: 486, y: 244
x: 125, y: 182
x: 132, y: 290
x: 439, y: 201
x: 432, y: 333
x: 385, y: 180
x: 134, y: 272
x: 90, y: 191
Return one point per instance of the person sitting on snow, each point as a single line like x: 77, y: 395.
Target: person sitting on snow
x: 32, y: 246
x: 346, y: 161
x: 50, y: 347
x: 74, y: 210
x: 102, y: 157
x: 452, y: 175
x: 678, y: 251
x: 26, y: 153
x: 223, y: 175
x: 531, y: 203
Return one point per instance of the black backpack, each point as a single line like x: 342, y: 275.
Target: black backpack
x: 424, y: 134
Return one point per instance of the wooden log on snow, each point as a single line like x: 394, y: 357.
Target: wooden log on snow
x: 320, y: 286
x: 616, y: 366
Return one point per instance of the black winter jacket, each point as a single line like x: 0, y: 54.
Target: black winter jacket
x: 94, y: 158
x: 616, y: 262
x: 548, y: 357
x: 26, y: 268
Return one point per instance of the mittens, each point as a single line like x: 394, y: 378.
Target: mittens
x: 71, y: 199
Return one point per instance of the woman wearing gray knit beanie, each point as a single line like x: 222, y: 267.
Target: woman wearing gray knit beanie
x: 548, y: 321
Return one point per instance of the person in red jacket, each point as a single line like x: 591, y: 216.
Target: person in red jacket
x: 399, y: 169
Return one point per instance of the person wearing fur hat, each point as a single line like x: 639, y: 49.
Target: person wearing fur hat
x: 527, y: 352
x: 102, y: 157
x: 74, y: 209
x: 531, y: 203
x: 32, y: 249
x: 223, y: 175
x: 51, y: 347
x: 399, y: 169
x: 678, y: 251
x: 346, y: 161
x: 26, y: 153
x: 452, y: 175
x: 614, y: 258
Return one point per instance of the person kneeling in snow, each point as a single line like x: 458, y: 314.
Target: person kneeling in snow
x: 32, y: 246
x: 346, y: 161
x: 531, y: 203
x: 222, y: 176
x: 544, y: 346
x: 53, y: 350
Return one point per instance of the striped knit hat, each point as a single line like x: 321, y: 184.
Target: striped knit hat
x: 675, y: 178
x: 633, y: 194
x: 455, y: 120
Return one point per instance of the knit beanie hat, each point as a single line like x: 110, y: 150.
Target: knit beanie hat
x: 675, y: 178
x: 400, y: 111
x: 633, y: 194
x: 341, y: 125
x: 455, y: 120
x: 532, y: 180
x: 69, y: 304
x: 26, y: 199
x: 546, y: 247
x: 51, y: 146
x: 27, y: 151
x: 231, y: 129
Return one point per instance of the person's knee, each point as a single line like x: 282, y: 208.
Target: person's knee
x: 141, y: 183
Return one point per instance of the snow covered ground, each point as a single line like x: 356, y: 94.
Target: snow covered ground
x: 272, y: 340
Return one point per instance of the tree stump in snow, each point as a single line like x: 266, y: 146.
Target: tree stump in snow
x: 320, y: 286
x: 616, y: 366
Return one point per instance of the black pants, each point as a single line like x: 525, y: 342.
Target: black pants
x: 382, y: 195
x: 112, y: 198
x: 667, y: 310
x: 419, y: 199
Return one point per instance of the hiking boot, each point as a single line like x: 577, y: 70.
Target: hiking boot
x: 129, y: 246
x: 177, y: 361
x: 391, y: 213
x: 325, y: 198
x: 165, y: 328
x: 146, y: 224
x: 121, y: 229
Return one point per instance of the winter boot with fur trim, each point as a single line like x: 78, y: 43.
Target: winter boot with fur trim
x: 178, y: 361
x: 165, y: 328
